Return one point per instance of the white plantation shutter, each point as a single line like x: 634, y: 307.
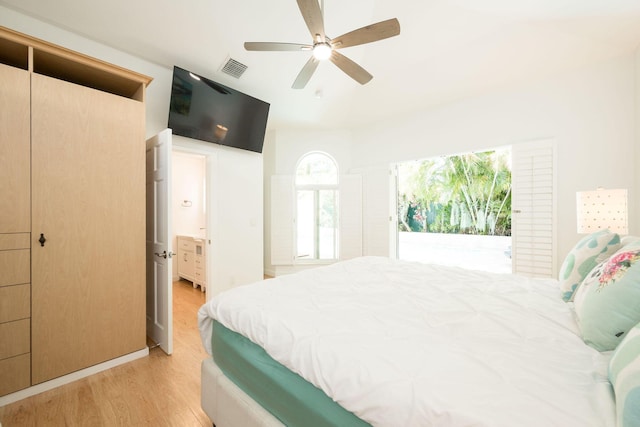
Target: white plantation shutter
x: 282, y: 220
x: 533, y: 209
x: 350, y: 220
x: 379, y: 221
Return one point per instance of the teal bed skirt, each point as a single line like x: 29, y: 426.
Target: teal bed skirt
x: 289, y: 397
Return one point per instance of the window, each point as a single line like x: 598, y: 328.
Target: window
x: 316, y: 186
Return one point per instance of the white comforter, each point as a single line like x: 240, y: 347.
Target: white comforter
x: 408, y: 344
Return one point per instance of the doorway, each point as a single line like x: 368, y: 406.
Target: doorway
x: 456, y: 210
x: 187, y: 213
x: 189, y: 216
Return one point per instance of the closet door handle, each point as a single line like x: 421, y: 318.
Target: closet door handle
x: 42, y: 239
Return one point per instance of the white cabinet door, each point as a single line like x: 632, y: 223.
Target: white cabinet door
x: 186, y: 258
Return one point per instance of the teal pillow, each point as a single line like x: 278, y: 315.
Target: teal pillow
x: 607, y: 302
x: 589, y: 252
x: 624, y: 374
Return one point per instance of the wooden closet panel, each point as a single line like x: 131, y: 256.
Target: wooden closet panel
x: 14, y: 241
x: 14, y: 338
x: 14, y: 150
x: 15, y: 374
x: 88, y: 184
x: 15, y: 302
x: 14, y: 267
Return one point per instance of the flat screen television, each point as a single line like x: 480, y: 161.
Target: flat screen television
x: 203, y: 109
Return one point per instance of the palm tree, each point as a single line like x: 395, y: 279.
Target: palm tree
x: 473, y: 189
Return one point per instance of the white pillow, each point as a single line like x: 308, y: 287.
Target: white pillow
x: 607, y: 302
x: 590, y: 251
x: 624, y: 374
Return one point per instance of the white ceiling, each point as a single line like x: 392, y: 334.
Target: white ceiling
x: 447, y: 49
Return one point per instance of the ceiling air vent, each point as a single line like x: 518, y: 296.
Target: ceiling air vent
x: 233, y: 68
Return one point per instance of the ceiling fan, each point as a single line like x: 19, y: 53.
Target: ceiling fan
x: 325, y: 48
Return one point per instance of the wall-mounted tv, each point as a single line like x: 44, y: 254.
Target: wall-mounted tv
x: 203, y: 109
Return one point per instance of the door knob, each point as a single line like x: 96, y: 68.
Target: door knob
x: 42, y: 239
x: 164, y: 254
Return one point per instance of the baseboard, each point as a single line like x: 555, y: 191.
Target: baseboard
x: 74, y: 376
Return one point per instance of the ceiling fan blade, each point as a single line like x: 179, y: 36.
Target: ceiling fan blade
x: 305, y: 74
x: 270, y: 46
x: 312, y: 15
x: 352, y: 69
x: 370, y: 33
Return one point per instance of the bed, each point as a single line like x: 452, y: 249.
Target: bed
x: 381, y: 342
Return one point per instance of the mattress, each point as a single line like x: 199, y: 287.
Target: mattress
x: 294, y: 401
x: 407, y: 344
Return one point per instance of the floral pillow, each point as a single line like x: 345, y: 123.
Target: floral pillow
x: 624, y: 374
x: 607, y: 302
x: 589, y: 252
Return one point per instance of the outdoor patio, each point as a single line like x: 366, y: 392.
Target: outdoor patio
x: 485, y: 253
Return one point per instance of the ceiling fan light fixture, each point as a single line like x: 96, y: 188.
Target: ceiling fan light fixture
x: 322, y: 51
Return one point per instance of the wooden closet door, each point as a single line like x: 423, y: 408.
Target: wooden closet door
x: 88, y: 175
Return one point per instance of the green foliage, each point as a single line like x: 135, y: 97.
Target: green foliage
x: 469, y: 193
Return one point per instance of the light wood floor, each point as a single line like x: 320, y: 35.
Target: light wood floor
x: 158, y: 390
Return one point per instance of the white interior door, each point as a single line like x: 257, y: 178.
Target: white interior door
x: 159, y: 250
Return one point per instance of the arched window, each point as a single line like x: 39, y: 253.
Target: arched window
x: 316, y: 183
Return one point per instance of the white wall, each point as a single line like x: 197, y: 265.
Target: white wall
x: 589, y: 112
x: 188, y: 201
x: 236, y: 178
x: 239, y: 211
x: 290, y: 145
